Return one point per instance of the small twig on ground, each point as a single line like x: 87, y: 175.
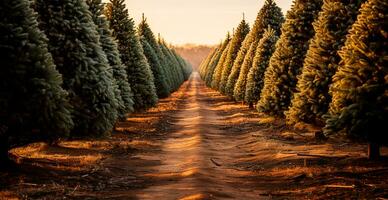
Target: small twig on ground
x: 214, y: 162
x: 75, y: 189
x: 29, y: 184
x: 341, y: 186
x: 167, y: 122
x: 320, y: 156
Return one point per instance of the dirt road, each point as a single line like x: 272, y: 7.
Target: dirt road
x: 195, y: 158
x: 198, y: 145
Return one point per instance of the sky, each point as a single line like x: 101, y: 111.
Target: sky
x: 196, y: 21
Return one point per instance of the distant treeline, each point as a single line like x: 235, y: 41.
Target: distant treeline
x: 194, y: 54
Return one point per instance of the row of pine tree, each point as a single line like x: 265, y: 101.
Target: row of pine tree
x: 325, y: 64
x: 75, y: 67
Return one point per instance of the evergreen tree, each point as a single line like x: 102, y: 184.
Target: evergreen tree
x: 157, y: 65
x: 272, y: 16
x: 186, y: 67
x: 360, y: 86
x: 235, y: 45
x: 255, y: 81
x: 175, y: 74
x: 31, y: 96
x: 211, y: 61
x: 138, y: 70
x: 153, y: 61
x: 286, y: 62
x: 177, y: 68
x: 205, y: 63
x: 123, y: 91
x: 218, y: 69
x: 269, y: 15
x: 74, y: 44
x: 216, y: 60
x: 313, y: 99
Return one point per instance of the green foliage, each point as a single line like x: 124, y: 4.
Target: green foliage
x: 138, y: 70
x: 360, y: 86
x: 158, y: 64
x: 75, y: 46
x: 215, y: 84
x: 255, y: 80
x: 269, y: 15
x: 123, y: 91
x: 33, y: 104
x: 204, y: 65
x: 185, y: 66
x: 286, y: 62
x: 235, y: 45
x: 175, y: 71
x: 216, y: 59
x: 313, y: 99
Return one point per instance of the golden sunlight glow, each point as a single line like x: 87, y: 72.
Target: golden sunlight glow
x: 197, y: 21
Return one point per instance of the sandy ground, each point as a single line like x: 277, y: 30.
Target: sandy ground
x: 198, y: 145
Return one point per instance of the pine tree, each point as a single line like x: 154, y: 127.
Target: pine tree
x: 123, y: 92
x: 235, y: 46
x: 157, y: 66
x: 138, y: 70
x: 218, y: 69
x: 269, y: 15
x: 186, y: 67
x: 205, y: 63
x: 153, y: 60
x: 313, y: 99
x: 360, y: 86
x: 177, y: 68
x: 216, y: 59
x: 31, y: 96
x: 175, y: 72
x: 255, y: 80
x: 211, y: 62
x: 286, y: 62
x: 74, y: 44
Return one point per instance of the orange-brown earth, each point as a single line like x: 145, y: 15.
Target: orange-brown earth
x: 198, y: 145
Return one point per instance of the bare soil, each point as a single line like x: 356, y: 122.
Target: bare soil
x: 198, y: 145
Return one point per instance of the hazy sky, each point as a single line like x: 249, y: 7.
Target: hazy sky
x: 196, y: 21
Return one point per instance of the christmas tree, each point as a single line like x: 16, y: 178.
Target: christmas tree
x: 75, y: 46
x: 255, y: 80
x: 123, y: 91
x: 138, y: 70
x: 287, y: 61
x: 360, y: 86
x: 235, y: 45
x: 312, y: 99
x: 211, y: 62
x: 216, y: 59
x: 33, y: 104
x: 205, y: 63
x: 185, y: 66
x: 157, y: 66
x: 175, y: 75
x: 269, y: 15
x: 215, y: 84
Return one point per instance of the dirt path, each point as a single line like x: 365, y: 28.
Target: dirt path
x: 195, y: 157
x: 198, y: 145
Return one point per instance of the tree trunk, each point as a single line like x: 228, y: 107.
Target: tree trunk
x: 373, y: 151
x: 5, y: 161
x: 251, y: 106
